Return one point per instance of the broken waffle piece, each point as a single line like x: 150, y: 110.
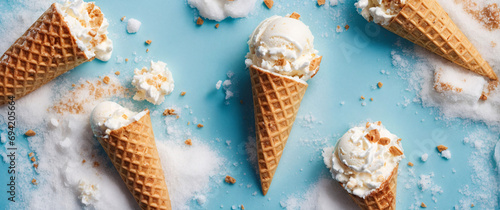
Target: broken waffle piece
x: 269, y: 3
x: 441, y: 148
x: 230, y: 180
x: 295, y: 15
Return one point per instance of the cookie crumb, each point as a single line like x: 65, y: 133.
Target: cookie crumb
x: 189, y: 123
x: 242, y: 207
x: 123, y: 18
x: 177, y: 117
x: 147, y: 50
x: 73, y: 85
x: 200, y: 126
x: 269, y: 3
x: 321, y: 2
x: 30, y: 133
x: 117, y: 73
x: 395, y: 151
x: 35, y: 165
x: 183, y: 93
x: 241, y: 101
x: 33, y: 159
x: 380, y: 84
x: 384, y: 141
x: 148, y: 41
x: 371, y: 99
x: 362, y: 98
x: 493, y: 44
x: 96, y: 164
x: 188, y: 142
x: 295, y: 15
x: 83, y: 161
x: 33, y: 181
x: 423, y: 205
x: 230, y: 180
x: 471, y: 205
x: 217, y: 25
x: 31, y: 154
x: 410, y: 164
x: 441, y: 148
x: 199, y: 21
x: 106, y: 80
x: 346, y: 27
x: 169, y: 112
x: 126, y: 59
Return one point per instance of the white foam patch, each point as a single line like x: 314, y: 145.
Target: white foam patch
x: 325, y: 194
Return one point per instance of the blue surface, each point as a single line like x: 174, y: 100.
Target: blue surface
x: 199, y: 56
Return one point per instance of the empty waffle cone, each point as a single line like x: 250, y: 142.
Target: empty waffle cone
x: 45, y: 51
x: 276, y: 100
x: 132, y: 149
x: 424, y: 22
x: 382, y: 198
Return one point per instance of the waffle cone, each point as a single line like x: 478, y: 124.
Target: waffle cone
x: 132, y: 149
x: 45, y: 51
x: 424, y: 22
x: 276, y: 100
x: 382, y: 198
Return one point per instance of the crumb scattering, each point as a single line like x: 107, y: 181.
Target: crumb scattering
x: 188, y: 142
x: 295, y: 15
x: 169, y: 112
x: 362, y: 98
x: 230, y: 179
x: 31, y: 154
x: 35, y: 165
x: 321, y: 2
x: 269, y: 3
x: 96, y: 164
x: 380, y: 84
x: 117, y: 73
x: 199, y: 21
x: 123, y: 18
x: 410, y: 164
x: 217, y: 25
x: 346, y: 27
x: 148, y: 41
x: 242, y: 207
x: 33, y: 181
x: 33, y: 159
x: 200, y: 126
x: 441, y: 148
x: 183, y: 93
x: 30, y: 133
x: 423, y: 205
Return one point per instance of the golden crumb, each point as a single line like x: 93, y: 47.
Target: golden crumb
x: 123, y: 18
x: 169, y: 112
x: 189, y: 123
x: 177, y: 117
x: 295, y: 15
x: 83, y: 161
x: 471, y: 205
x: 31, y: 154
x: 125, y: 116
x: 321, y: 2
x: 362, y: 98
x: 384, y: 141
x: 371, y: 99
x: 35, y: 165
x: 346, y: 27
x: 33, y: 181
x: 73, y: 85
x: 33, y: 159
x: 379, y: 123
x: 380, y: 84
x: 241, y: 101
x: 395, y: 151
x: 269, y: 3
x: 399, y: 140
x: 106, y: 80
x: 96, y: 164
x: 117, y: 73
x: 423, y: 205
x: 147, y: 50
x: 441, y: 148
x: 410, y: 164
x: 199, y: 21
x: 217, y: 25
x: 373, y: 136
x: 230, y: 180
x: 493, y: 44
x: 30, y: 133
x: 200, y: 126
x: 338, y: 27
x: 242, y: 207
x: 188, y: 142
x: 148, y: 41
x: 126, y: 59
x: 183, y: 93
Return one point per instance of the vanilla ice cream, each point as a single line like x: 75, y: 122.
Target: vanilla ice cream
x: 108, y: 116
x: 364, y: 158
x: 285, y: 46
x: 380, y: 11
x: 153, y: 84
x: 89, y: 26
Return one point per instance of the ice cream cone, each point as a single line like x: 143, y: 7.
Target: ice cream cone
x: 382, y: 198
x: 276, y: 101
x: 424, y: 22
x: 132, y: 149
x: 45, y: 51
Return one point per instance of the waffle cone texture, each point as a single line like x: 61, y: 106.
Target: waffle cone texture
x: 45, y: 51
x: 276, y: 101
x: 424, y: 22
x: 132, y: 150
x: 382, y: 198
